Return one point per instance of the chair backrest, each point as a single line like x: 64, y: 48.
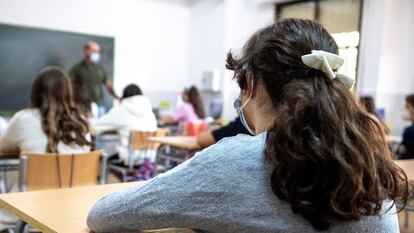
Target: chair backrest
x: 138, y: 139
x: 50, y: 171
x: 193, y: 129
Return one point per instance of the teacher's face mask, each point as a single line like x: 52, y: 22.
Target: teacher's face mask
x: 95, y: 57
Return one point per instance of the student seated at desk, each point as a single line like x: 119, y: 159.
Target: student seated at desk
x: 53, y: 123
x: 406, y: 149
x: 317, y: 160
x: 190, y: 111
x: 235, y: 127
x: 134, y: 112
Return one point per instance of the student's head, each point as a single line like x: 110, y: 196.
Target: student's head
x: 60, y: 119
x: 409, y: 106
x: 368, y: 104
x: 91, y: 51
x: 131, y: 90
x: 192, y: 96
x: 330, y: 159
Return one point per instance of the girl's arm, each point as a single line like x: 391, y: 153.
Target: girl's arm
x: 180, y: 198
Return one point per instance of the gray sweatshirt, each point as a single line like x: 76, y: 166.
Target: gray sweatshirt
x: 224, y: 188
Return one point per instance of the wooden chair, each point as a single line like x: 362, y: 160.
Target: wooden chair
x: 193, y: 129
x: 50, y: 171
x: 138, y: 141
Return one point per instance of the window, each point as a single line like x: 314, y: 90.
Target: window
x: 340, y: 17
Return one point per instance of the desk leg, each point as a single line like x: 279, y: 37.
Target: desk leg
x: 162, y: 149
x: 167, y: 162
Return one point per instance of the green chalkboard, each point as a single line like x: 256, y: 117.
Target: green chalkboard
x: 24, y: 51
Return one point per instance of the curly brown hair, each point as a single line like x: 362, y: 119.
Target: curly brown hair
x: 60, y: 119
x: 331, y: 159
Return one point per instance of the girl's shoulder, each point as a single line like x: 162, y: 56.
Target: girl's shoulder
x: 27, y: 114
x: 240, y: 147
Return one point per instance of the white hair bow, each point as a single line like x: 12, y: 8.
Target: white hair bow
x: 327, y: 62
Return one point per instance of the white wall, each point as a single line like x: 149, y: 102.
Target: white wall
x: 152, y: 37
x: 206, y: 38
x: 218, y: 26
x: 164, y: 45
x: 385, y: 67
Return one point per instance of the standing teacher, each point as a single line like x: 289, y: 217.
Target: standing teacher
x: 89, y: 74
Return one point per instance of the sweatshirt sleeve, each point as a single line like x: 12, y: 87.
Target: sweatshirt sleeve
x: 179, y: 113
x: 110, y: 121
x: 179, y: 198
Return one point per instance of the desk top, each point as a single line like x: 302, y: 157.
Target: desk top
x: 182, y: 142
x: 394, y: 139
x: 58, y: 210
x: 408, y: 166
x: 61, y: 210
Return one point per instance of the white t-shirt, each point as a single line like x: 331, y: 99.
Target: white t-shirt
x: 25, y: 134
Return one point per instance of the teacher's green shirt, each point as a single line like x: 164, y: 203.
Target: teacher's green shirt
x: 93, y: 76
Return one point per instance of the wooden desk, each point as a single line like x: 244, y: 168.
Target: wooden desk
x: 181, y: 142
x: 58, y: 210
x: 61, y: 210
x: 408, y: 166
x: 394, y: 139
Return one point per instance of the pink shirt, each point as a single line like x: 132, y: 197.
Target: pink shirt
x: 186, y: 113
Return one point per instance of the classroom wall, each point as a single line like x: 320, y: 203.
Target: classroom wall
x: 216, y: 27
x: 164, y: 45
x: 152, y: 37
x: 386, y: 56
x: 386, y: 46
x: 206, y: 38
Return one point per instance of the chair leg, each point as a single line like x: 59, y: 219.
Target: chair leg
x: 20, y: 227
x: 5, y: 182
x: 2, y: 186
x: 104, y: 169
x: 124, y: 178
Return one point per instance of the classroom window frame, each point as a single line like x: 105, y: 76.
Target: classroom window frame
x: 317, y: 13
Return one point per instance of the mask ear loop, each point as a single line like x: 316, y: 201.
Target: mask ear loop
x: 250, y: 96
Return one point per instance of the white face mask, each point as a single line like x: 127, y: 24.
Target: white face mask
x: 406, y: 115
x: 238, y: 105
x: 95, y: 57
